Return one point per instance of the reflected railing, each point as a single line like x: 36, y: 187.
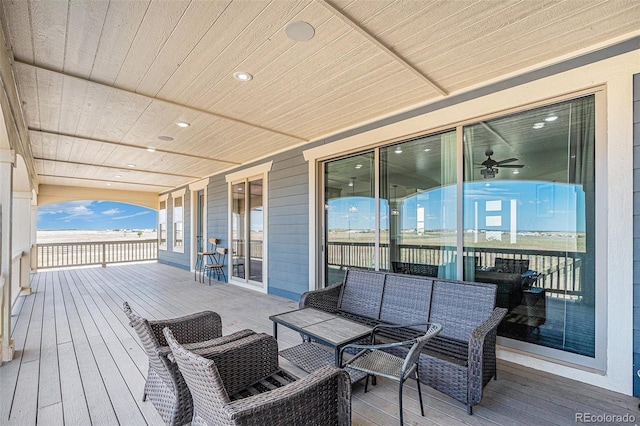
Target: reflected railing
x: 559, y: 271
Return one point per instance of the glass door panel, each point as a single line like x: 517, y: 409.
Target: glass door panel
x: 256, y: 237
x: 238, y: 227
x: 529, y: 221
x: 350, y: 216
x: 418, y: 206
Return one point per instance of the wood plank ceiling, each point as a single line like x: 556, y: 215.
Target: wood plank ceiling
x: 100, y: 81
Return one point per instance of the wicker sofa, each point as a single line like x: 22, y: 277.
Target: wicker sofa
x: 462, y: 359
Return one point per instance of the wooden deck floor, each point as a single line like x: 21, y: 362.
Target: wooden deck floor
x: 78, y: 362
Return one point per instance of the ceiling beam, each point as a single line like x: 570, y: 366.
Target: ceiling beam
x: 167, y: 101
x: 373, y: 40
x: 129, y: 169
x: 144, y: 148
x: 107, y: 181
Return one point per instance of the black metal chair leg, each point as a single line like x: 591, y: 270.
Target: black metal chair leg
x: 419, y: 392
x: 366, y: 383
x: 400, y: 401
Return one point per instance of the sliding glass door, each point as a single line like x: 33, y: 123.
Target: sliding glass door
x: 507, y: 200
x: 247, y: 230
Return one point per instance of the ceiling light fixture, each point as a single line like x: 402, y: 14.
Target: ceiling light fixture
x: 300, y: 31
x: 427, y: 149
x: 131, y: 165
x: 516, y: 172
x: 398, y: 150
x: 394, y: 210
x: 183, y: 124
x: 117, y: 176
x: 358, y: 166
x: 538, y: 125
x: 242, y: 76
x: 151, y: 149
x: 108, y: 183
x: 165, y: 138
x: 552, y: 117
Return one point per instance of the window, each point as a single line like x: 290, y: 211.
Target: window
x: 178, y: 220
x: 520, y: 214
x: 162, y: 223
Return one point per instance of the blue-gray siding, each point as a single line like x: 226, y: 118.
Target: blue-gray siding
x: 288, y: 227
x: 636, y: 235
x: 170, y: 257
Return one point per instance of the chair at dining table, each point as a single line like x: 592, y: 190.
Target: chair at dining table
x: 208, y: 255
x: 217, y: 266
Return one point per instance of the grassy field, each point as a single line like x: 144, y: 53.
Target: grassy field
x: 555, y: 241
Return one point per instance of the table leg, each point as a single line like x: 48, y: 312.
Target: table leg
x: 275, y: 330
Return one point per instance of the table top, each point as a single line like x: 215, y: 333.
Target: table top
x: 326, y: 327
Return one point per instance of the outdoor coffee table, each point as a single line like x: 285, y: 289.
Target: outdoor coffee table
x: 328, y: 329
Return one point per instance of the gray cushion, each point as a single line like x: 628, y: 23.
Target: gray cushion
x: 362, y: 293
x: 406, y: 300
x: 461, y: 308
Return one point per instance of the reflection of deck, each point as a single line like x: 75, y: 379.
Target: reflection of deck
x: 79, y: 362
x: 559, y: 270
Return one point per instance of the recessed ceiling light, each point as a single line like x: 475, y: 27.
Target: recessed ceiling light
x: 117, y: 176
x: 516, y: 172
x: 182, y: 124
x: 108, y: 183
x: 300, y: 31
x: 427, y: 149
x: 538, y: 125
x: 242, y: 76
x: 358, y: 166
x: 165, y: 138
x: 552, y: 117
x: 398, y: 150
x: 151, y: 149
x: 131, y: 165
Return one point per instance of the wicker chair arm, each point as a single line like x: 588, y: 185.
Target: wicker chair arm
x: 192, y: 328
x: 243, y: 362
x: 488, y: 325
x: 325, y: 299
x: 482, y: 355
x: 197, y: 346
x: 310, y: 400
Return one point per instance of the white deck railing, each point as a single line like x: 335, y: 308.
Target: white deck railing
x: 57, y: 255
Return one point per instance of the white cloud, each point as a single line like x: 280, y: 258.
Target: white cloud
x: 70, y: 208
x: 77, y: 211
x: 132, y: 215
x: 111, y: 212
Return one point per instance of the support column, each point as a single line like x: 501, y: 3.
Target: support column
x: 7, y: 161
x: 21, y: 239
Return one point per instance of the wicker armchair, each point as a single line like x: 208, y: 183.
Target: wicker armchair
x: 321, y: 398
x: 374, y: 361
x: 165, y: 386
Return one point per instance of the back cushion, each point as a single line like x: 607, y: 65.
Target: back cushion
x: 406, y: 300
x: 362, y: 293
x: 460, y: 307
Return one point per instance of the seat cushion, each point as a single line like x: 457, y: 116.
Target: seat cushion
x: 362, y: 293
x: 406, y: 300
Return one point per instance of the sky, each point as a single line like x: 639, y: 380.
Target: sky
x: 95, y: 215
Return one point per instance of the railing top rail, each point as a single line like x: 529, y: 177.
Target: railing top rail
x: 531, y: 252
x: 79, y: 243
